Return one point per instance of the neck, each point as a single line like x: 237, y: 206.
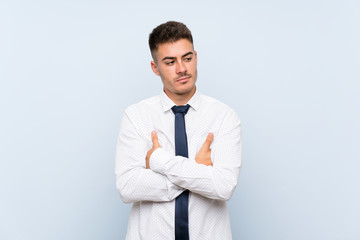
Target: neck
x: 181, y: 99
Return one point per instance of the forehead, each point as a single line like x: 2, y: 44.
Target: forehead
x: 174, y: 49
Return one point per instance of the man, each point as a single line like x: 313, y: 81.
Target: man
x: 164, y: 164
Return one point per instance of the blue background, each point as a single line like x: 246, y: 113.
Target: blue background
x: 290, y: 69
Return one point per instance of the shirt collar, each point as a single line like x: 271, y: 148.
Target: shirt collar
x: 167, y: 103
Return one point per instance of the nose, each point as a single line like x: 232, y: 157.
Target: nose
x: 180, y: 67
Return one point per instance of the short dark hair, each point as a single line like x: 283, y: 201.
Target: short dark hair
x: 168, y: 32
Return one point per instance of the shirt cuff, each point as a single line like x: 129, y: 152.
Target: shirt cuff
x: 158, y: 159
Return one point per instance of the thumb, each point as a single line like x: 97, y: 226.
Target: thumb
x: 208, y: 141
x: 155, y: 140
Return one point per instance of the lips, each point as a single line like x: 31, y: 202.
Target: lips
x: 183, y: 79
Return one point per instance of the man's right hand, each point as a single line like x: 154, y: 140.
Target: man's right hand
x: 204, y: 154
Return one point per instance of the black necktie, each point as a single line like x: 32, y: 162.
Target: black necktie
x: 181, y: 149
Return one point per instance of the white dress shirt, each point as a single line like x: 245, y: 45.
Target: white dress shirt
x: 153, y: 191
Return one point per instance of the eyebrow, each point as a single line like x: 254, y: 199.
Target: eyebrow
x: 172, y: 58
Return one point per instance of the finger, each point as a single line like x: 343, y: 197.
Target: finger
x: 208, y: 141
x: 155, y: 140
x: 147, y: 160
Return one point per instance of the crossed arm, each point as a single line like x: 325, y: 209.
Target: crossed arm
x: 162, y: 176
x: 202, y: 157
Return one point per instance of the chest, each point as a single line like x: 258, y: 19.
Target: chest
x: 198, y: 125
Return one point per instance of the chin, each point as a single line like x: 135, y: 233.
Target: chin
x: 187, y: 90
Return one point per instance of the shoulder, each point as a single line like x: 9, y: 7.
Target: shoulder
x: 144, y: 105
x: 216, y: 105
x: 220, y: 112
x: 213, y: 101
x: 143, y: 109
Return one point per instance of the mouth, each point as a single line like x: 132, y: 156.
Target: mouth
x: 183, y: 79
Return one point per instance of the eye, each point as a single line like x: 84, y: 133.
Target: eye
x: 188, y: 59
x: 169, y: 63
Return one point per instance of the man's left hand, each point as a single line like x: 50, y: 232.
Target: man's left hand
x: 156, y: 145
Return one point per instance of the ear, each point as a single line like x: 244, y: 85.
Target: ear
x: 195, y: 54
x: 155, y: 68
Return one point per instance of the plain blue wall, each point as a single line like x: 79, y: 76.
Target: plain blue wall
x: 290, y: 69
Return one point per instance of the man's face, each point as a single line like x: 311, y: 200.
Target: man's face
x: 176, y: 64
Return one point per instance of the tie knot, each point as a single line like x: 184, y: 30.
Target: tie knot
x: 180, y: 109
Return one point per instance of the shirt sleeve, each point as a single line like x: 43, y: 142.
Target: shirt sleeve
x: 133, y: 181
x: 215, y: 182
